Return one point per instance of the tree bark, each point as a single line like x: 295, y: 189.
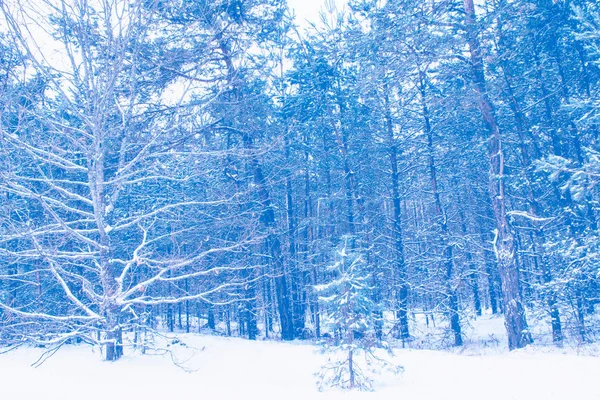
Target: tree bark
x: 448, y: 250
x: 401, y: 330
x: 267, y: 220
x: 473, y: 273
x: 504, y: 243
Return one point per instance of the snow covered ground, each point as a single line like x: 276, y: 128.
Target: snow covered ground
x: 231, y: 368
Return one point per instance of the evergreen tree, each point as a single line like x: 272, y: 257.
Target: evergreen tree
x: 350, y: 315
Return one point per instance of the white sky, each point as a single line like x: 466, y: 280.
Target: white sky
x: 308, y: 10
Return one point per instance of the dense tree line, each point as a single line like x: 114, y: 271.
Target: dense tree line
x: 208, y: 165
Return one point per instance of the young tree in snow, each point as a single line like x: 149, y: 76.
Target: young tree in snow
x: 351, y: 317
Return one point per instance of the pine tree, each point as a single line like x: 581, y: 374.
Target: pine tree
x: 351, y: 317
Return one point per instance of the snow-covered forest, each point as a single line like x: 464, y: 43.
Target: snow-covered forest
x: 393, y: 175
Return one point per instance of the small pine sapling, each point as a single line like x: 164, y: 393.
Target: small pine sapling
x: 352, y: 361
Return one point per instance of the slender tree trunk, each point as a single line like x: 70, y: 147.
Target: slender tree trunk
x: 210, y: 316
x: 580, y: 314
x: 273, y: 246
x: 297, y: 277
x: 504, y: 243
x: 448, y: 250
x: 473, y: 273
x: 248, y: 308
x: 401, y: 330
x: 491, y: 271
x: 179, y: 316
x: 228, y: 320
x: 350, y: 183
x: 523, y: 131
x: 267, y: 219
x: 308, y: 238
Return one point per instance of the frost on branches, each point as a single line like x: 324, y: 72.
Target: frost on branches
x: 352, y: 346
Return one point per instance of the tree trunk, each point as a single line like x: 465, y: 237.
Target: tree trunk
x: 448, y: 250
x: 473, y: 274
x: 297, y: 277
x: 401, y: 330
x: 492, y: 277
x: 267, y: 220
x: 504, y: 243
x: 308, y: 232
x: 114, y: 338
x: 523, y: 130
x: 211, y: 317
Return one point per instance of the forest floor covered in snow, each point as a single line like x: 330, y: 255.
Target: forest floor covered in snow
x: 196, y: 366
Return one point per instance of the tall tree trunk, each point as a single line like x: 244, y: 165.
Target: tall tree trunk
x: 308, y: 238
x: 504, y: 243
x: 297, y: 281
x: 473, y: 273
x: 448, y: 250
x: 401, y: 330
x: 491, y: 272
x: 267, y: 220
x: 273, y: 247
x: 350, y: 183
x: 523, y: 132
x: 210, y: 317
